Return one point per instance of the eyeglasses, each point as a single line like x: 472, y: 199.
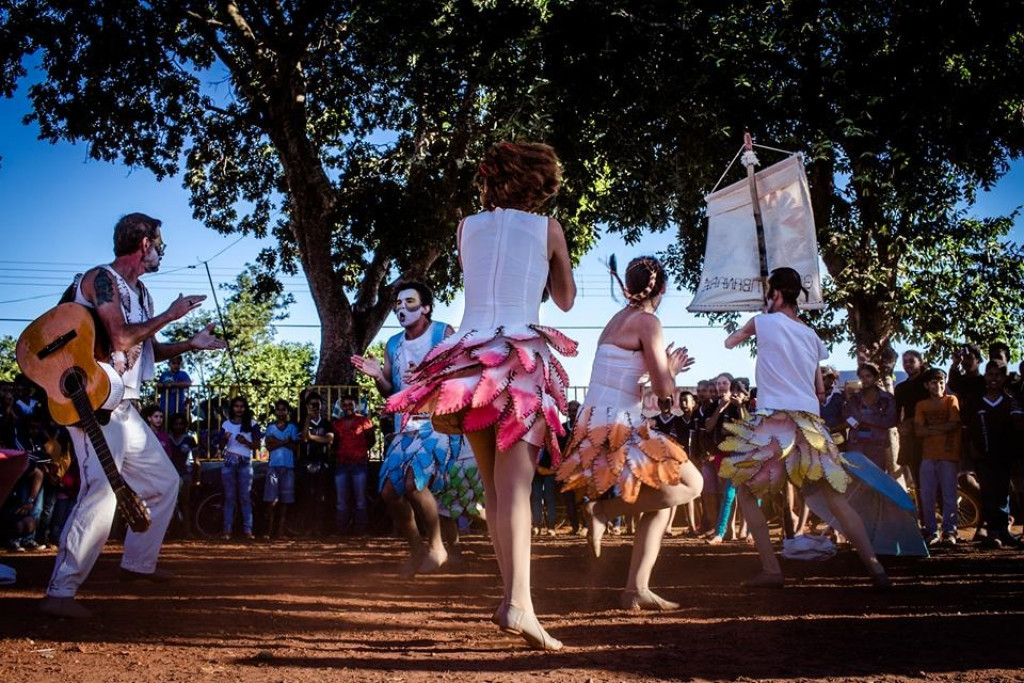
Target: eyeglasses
x: 158, y: 244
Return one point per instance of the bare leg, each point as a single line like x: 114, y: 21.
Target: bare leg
x: 483, y: 444
x: 513, y: 479
x: 759, y: 530
x: 691, y: 516
x: 648, y: 500
x: 405, y: 524
x: 646, y: 547
x: 424, y: 505
x: 854, y: 529
x: 671, y: 518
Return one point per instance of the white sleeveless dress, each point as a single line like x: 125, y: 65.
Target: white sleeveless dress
x: 612, y: 444
x: 498, y: 369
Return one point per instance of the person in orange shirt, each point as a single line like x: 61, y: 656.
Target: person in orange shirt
x: 937, y: 424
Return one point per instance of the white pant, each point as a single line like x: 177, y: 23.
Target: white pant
x: 145, y: 466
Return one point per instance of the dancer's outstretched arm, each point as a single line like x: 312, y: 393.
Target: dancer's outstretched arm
x: 741, y: 335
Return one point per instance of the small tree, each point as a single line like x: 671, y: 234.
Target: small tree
x: 8, y: 360
x: 257, y: 367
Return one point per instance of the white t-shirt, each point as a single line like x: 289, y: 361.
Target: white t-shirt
x: 234, y: 447
x: 788, y: 353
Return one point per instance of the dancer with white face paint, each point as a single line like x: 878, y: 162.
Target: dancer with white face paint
x: 416, y: 465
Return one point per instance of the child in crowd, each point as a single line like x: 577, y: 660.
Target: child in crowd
x: 282, y: 440
x: 239, y: 439
x: 937, y: 424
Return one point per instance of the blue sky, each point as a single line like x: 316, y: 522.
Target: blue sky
x: 60, y: 209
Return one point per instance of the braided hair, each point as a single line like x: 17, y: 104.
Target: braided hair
x: 645, y: 279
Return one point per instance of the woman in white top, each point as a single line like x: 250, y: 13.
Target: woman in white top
x: 613, y: 446
x: 496, y: 380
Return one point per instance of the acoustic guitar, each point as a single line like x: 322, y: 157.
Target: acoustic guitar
x: 57, y: 351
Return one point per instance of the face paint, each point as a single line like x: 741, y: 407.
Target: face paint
x: 408, y: 307
x: 151, y: 261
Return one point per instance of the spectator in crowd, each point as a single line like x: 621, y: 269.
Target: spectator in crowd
x: 542, y: 499
x: 678, y: 427
x: 908, y: 394
x: 59, y: 489
x: 871, y: 413
x: 999, y: 351
x: 995, y: 427
x: 569, y: 497
x: 354, y: 437
x: 65, y: 497
x: 965, y: 378
x: 317, y: 465
x: 730, y: 408
x: 709, y: 497
x: 937, y: 424
x: 282, y: 440
x: 832, y: 404
x: 25, y: 403
x: 182, y: 449
x: 154, y: 417
x: 17, y: 512
x: 172, y: 388
x: 239, y: 442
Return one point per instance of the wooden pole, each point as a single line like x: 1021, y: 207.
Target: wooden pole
x: 750, y: 161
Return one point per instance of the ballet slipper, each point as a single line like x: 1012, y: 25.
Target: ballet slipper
x: 765, y: 580
x: 646, y: 599
x: 715, y: 540
x: 596, y: 526
x: 516, y: 621
x: 432, y: 561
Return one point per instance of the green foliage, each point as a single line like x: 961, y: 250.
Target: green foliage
x: 904, y: 111
x: 8, y: 361
x: 351, y: 132
x: 367, y: 387
x: 262, y: 369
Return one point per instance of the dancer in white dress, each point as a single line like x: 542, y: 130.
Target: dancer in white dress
x: 496, y: 380
x: 613, y: 445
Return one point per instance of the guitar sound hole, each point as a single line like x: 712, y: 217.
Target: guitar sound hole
x: 72, y: 381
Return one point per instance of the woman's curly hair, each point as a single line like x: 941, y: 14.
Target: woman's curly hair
x: 518, y: 175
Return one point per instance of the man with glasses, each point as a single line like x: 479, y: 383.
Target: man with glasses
x: 125, y: 314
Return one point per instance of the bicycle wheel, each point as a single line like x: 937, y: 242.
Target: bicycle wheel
x: 209, y: 520
x: 968, y: 509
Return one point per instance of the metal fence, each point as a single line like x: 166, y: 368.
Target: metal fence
x: 207, y: 407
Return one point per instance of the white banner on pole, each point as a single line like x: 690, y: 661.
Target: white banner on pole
x: 731, y: 279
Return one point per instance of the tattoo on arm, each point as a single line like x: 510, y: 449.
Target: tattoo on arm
x: 104, y: 287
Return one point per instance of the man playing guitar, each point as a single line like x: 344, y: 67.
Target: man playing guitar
x: 124, y: 311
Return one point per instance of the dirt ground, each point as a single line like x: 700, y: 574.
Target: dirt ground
x: 308, y: 612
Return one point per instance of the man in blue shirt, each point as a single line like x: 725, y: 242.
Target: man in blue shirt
x: 282, y: 440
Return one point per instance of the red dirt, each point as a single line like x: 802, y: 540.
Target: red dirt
x: 308, y: 612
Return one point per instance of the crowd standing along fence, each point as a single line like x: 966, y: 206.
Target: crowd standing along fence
x: 207, y: 406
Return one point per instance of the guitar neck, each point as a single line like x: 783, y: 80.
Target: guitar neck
x: 91, y: 425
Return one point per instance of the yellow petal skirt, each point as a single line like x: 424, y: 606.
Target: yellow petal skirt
x: 615, y: 448
x: 775, y: 446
